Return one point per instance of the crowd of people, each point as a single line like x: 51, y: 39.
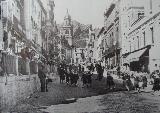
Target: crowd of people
x: 140, y: 80
x: 70, y: 74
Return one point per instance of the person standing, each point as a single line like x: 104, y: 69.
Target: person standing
x: 118, y: 71
x: 42, y: 78
x: 144, y: 80
x: 84, y: 79
x: 99, y: 72
x: 62, y: 75
x: 67, y: 73
x: 76, y: 77
x: 136, y: 83
x: 89, y: 78
x: 110, y: 82
x: 156, y: 84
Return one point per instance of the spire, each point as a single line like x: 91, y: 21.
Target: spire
x: 67, y: 11
x: 67, y: 15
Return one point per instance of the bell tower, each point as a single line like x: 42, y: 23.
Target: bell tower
x: 68, y: 28
x: 67, y: 33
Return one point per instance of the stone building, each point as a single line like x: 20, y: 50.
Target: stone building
x: 23, y: 37
x: 35, y: 19
x: 142, y: 38
x: 99, y: 46
x: 13, y: 24
x: 111, y: 39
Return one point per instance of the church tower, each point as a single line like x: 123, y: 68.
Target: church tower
x: 67, y: 35
x: 67, y: 28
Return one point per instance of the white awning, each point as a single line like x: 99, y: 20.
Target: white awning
x: 136, y: 55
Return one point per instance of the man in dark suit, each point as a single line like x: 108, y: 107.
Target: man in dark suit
x: 42, y: 77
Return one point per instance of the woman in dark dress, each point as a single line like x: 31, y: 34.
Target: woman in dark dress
x: 156, y: 84
x: 110, y: 82
x: 76, y: 77
x: 67, y: 73
x: 144, y: 80
x: 84, y: 79
x: 89, y: 79
x: 62, y: 75
x: 71, y: 77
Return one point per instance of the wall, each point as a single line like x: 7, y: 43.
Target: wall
x: 16, y: 88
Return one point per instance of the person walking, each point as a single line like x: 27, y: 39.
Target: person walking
x: 42, y: 78
x: 144, y: 80
x: 136, y: 83
x: 62, y: 76
x: 156, y: 84
x: 76, y: 77
x: 84, y: 79
x: 67, y: 73
x: 72, y: 77
x: 99, y: 72
x: 89, y: 78
x: 110, y: 82
x: 118, y: 71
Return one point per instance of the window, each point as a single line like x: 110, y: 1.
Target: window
x: 134, y: 45
x: 130, y: 45
x: 151, y: 6
x: 144, y: 36
x: 140, y: 15
x: 138, y: 42
x: 117, y: 29
x: 152, y: 34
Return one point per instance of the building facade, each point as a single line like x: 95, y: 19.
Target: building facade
x: 141, y: 41
x: 13, y: 24
x: 111, y: 36
x: 23, y: 36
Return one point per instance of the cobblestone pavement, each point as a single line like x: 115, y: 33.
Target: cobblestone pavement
x: 62, y: 98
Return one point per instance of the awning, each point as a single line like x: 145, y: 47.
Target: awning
x: 135, y: 56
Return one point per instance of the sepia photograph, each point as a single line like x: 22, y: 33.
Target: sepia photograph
x: 79, y: 56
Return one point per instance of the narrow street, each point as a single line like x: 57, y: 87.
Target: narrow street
x: 105, y: 50
x: 62, y: 98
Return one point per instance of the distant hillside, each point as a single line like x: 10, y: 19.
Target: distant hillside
x: 80, y: 33
x: 79, y: 29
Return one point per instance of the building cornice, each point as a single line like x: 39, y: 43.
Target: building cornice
x: 109, y: 11
x: 143, y: 22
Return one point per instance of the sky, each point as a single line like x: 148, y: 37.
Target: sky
x: 84, y: 11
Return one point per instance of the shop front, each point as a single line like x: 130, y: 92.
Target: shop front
x: 138, y: 60
x: 112, y: 58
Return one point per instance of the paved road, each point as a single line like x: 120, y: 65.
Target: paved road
x: 117, y: 102
x: 68, y: 99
